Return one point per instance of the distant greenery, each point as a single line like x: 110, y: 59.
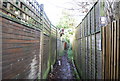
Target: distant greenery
x: 66, y: 21
x: 70, y: 54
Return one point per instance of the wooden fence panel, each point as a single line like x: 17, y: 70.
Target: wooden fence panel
x: 26, y: 28
x: 45, y: 55
x: 53, y: 44
x: 89, y: 57
x: 89, y: 24
x: 80, y: 53
x: 93, y: 67
x: 110, y: 45
x: 118, y: 50
x: 92, y: 21
x: 21, y: 46
x: 83, y: 58
x: 98, y: 57
x: 86, y: 57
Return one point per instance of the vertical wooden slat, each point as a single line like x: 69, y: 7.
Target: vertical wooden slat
x: 115, y: 50
x: 118, y: 48
x: 110, y: 40
x: 112, y: 50
x: 107, y: 54
x: 103, y: 51
x: 91, y: 57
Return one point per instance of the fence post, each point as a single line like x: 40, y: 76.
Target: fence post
x: 1, y: 43
x: 41, y: 44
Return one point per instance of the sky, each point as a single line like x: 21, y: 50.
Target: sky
x: 53, y: 9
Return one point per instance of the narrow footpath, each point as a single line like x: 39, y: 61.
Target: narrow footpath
x: 63, y: 69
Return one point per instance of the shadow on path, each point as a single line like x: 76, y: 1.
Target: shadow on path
x: 63, y: 69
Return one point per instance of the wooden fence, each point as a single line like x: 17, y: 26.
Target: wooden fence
x: 96, y: 48
x: 29, y: 40
x: 110, y: 50
x: 88, y: 56
x: 20, y: 50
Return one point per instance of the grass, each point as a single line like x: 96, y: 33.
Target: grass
x: 70, y: 57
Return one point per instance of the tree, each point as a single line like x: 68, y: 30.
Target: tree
x: 66, y: 22
x: 111, y: 9
x: 80, y: 5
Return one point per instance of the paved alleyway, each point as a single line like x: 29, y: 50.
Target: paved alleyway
x: 63, y: 69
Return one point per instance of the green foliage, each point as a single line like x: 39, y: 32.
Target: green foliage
x: 70, y: 54
x: 66, y: 21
